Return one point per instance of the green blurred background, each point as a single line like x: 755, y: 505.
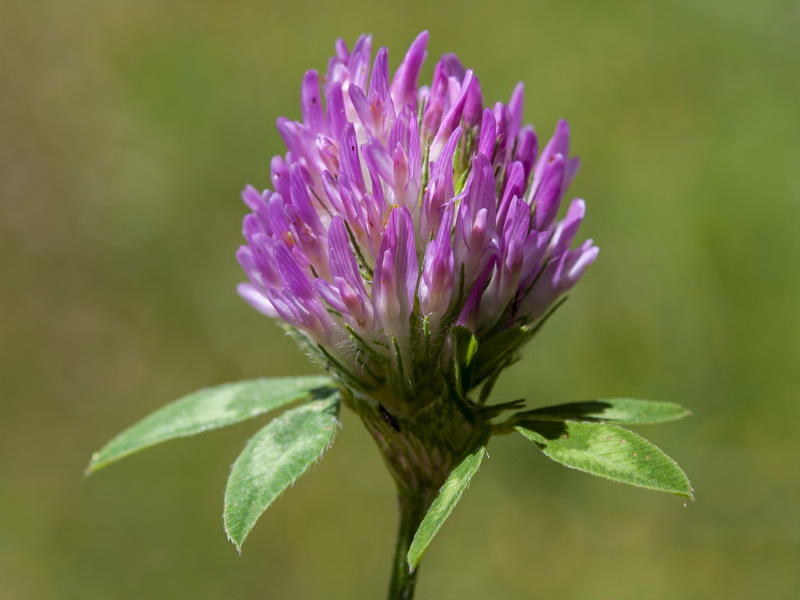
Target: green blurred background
x: 128, y: 128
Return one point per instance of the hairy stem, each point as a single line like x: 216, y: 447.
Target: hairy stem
x: 412, y: 511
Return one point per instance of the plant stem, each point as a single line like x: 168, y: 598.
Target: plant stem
x: 403, y: 581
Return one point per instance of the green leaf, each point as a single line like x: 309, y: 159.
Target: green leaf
x: 627, y: 411
x: 207, y: 409
x: 443, y: 505
x: 273, y: 459
x: 608, y: 451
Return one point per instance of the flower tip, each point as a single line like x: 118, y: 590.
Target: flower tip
x: 591, y: 255
x: 469, y: 75
x: 363, y: 44
x: 404, y: 84
x: 515, y: 106
x: 256, y: 299
x: 517, y: 98
x: 341, y: 49
x: 586, y: 258
x: 252, y: 198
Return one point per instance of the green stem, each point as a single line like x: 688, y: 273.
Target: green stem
x: 404, y: 581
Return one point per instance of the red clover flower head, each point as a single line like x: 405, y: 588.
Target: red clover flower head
x: 401, y: 214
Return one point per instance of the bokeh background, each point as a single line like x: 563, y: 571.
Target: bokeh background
x: 128, y: 128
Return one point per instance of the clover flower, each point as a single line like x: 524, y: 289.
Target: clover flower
x: 411, y: 244
x: 401, y: 212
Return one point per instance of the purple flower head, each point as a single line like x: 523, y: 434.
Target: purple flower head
x: 403, y: 214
